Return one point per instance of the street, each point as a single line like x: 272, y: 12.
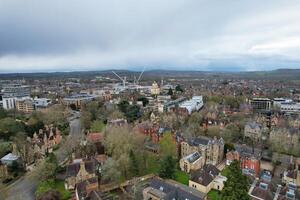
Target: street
x: 24, y: 188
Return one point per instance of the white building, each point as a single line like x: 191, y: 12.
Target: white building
x: 42, y: 102
x: 278, y: 101
x: 290, y: 107
x: 14, y: 92
x: 192, y: 105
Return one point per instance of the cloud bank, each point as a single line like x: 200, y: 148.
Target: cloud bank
x: 55, y: 35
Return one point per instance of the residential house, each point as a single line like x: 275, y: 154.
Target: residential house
x: 79, y: 171
x: 87, y: 188
x: 253, y: 130
x: 261, y: 190
x: 191, y: 162
x: 231, y: 156
x: 250, y: 165
x: 150, y: 130
x: 292, y: 173
x: 287, y: 192
x: 211, y: 149
x: 207, y: 178
x: 45, y: 140
x: 160, y: 189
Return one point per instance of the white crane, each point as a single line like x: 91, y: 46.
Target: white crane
x: 122, y: 79
x: 137, y: 82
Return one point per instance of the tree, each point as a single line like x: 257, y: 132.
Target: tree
x: 97, y: 126
x: 116, y: 115
x: 86, y: 119
x: 236, y: 186
x: 47, y: 168
x: 3, y: 113
x: 134, y: 165
x: 232, y: 133
x: 170, y: 92
x: 5, y: 148
x: 228, y: 147
x: 118, y: 141
x: 110, y: 171
x: 167, y: 167
x: 93, y: 108
x: 132, y: 113
x: 9, y: 127
x: 167, y: 145
x: 55, y: 115
x: 23, y: 147
x: 213, y: 131
x: 194, y: 124
x: 34, y: 124
x: 123, y: 106
x: 178, y: 88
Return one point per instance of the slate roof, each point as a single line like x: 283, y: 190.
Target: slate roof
x: 205, y: 175
x: 73, y: 169
x: 81, y: 187
x: 175, y: 190
x: 198, y: 141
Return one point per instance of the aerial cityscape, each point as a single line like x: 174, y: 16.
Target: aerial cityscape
x: 149, y: 100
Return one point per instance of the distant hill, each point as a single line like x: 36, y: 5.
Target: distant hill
x: 279, y: 74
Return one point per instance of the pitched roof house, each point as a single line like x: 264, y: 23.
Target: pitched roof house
x: 207, y: 178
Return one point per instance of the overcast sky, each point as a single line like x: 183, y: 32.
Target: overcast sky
x: 68, y: 35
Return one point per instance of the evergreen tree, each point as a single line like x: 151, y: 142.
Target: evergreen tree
x: 236, y: 186
x: 133, y: 168
x: 170, y: 92
x: 167, y: 167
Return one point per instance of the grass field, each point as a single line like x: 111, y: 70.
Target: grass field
x: 182, y: 177
x: 58, y: 185
x: 213, y: 195
x: 225, y: 171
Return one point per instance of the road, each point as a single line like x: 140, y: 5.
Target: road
x: 24, y: 188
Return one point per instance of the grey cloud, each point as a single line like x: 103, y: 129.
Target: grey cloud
x: 98, y: 34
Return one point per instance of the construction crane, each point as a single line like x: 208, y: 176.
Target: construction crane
x: 122, y: 79
x: 137, y: 82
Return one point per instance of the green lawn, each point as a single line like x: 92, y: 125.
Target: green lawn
x: 182, y: 177
x: 213, y: 195
x: 225, y: 171
x: 58, y: 185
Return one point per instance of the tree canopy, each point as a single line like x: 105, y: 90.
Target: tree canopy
x: 236, y: 186
x: 167, y: 145
x: 167, y: 167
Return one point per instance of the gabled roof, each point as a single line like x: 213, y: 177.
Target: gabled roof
x: 73, y: 169
x: 205, y: 175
